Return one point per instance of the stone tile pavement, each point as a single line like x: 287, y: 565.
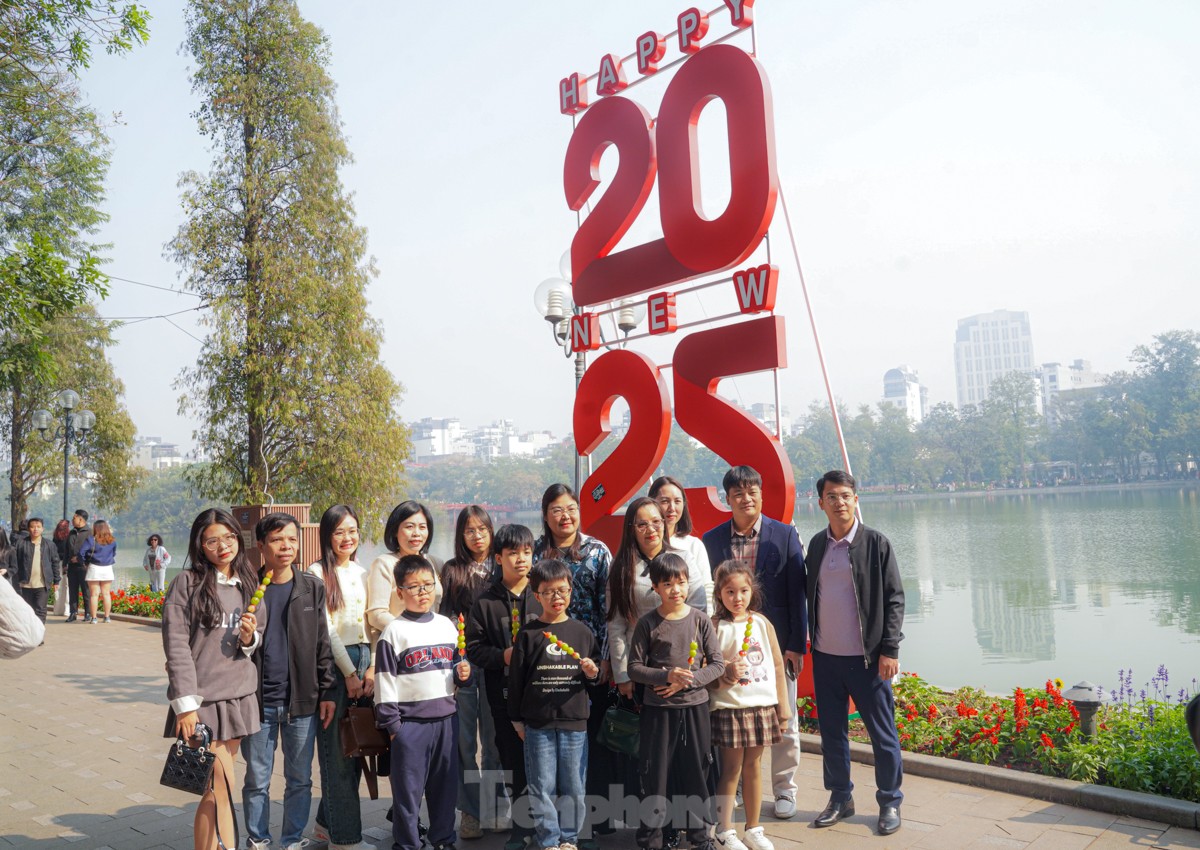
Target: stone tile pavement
x: 81, y: 753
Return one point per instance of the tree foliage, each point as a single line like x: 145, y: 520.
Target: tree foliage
x: 291, y: 395
x: 77, y: 344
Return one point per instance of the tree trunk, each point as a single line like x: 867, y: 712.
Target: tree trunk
x: 18, y: 502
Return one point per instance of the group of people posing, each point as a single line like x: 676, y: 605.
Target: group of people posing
x: 505, y: 661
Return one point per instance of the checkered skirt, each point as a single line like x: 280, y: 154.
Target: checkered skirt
x: 737, y: 728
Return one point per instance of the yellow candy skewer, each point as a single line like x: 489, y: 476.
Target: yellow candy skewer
x: 692, y: 647
x: 746, y: 645
x: 258, y: 594
x: 462, y: 637
x: 565, y: 647
x: 516, y: 622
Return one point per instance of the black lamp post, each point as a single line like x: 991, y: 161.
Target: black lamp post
x: 74, y: 429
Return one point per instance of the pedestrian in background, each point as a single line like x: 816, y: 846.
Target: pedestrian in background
x: 155, y: 562
x: 38, y: 567
x: 76, y: 569
x: 61, y: 537
x: 99, y: 552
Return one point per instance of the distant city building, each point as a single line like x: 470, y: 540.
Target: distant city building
x: 764, y: 412
x: 1057, y: 380
x: 438, y: 438
x: 902, y: 388
x: 152, y: 453
x: 989, y: 346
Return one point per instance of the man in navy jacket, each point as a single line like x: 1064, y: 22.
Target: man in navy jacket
x: 778, y: 558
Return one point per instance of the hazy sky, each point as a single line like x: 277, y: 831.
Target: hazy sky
x: 939, y: 159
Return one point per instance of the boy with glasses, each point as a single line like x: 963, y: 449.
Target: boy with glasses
x: 548, y: 705
x: 417, y: 668
x: 492, y: 629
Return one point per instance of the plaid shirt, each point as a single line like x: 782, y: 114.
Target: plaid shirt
x: 744, y: 547
x: 589, y: 583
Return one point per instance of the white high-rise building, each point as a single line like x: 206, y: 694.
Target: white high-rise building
x: 902, y: 387
x: 987, y: 347
x: 1057, y: 378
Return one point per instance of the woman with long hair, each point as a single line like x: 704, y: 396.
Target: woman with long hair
x: 208, y: 639
x: 339, y: 816
x: 679, y: 533
x: 155, y: 562
x: 630, y: 593
x: 408, y: 531
x: 589, y: 560
x: 463, y: 578
x: 99, y: 552
x: 62, y: 532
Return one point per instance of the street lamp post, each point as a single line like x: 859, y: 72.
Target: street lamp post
x: 74, y: 429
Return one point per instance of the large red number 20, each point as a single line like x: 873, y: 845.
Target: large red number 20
x: 691, y: 245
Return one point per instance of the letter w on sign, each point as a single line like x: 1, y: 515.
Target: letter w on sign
x: 756, y: 288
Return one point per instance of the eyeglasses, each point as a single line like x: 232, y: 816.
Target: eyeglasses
x: 554, y: 594
x: 643, y: 526
x: 559, y: 513
x: 838, y: 498
x: 212, y: 544
x: 476, y: 533
x: 419, y: 589
x: 342, y: 534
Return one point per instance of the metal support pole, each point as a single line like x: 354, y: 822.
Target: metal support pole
x: 580, y: 367
x: 67, y: 435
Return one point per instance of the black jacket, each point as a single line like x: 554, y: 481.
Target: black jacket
x: 489, y: 633
x: 75, y: 541
x: 50, y: 566
x: 311, y: 674
x: 877, y: 587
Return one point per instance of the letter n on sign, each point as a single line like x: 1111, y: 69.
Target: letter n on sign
x: 756, y: 288
x: 585, y: 332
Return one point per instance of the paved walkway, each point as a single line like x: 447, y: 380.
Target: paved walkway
x: 80, y: 757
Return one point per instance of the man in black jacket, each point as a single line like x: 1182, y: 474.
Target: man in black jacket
x: 856, y: 612
x: 295, y: 686
x: 38, y: 567
x: 75, y: 567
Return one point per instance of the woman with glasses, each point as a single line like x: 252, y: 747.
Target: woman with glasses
x: 408, y: 531
x: 208, y: 639
x: 339, y: 816
x: 630, y: 594
x: 155, y: 561
x: 678, y: 532
x: 589, y: 560
x: 463, y: 578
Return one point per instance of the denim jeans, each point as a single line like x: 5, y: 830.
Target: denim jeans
x: 299, y: 734
x: 476, y: 732
x: 339, y: 810
x: 555, y: 767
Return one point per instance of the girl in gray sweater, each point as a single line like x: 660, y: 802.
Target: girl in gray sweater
x: 208, y: 638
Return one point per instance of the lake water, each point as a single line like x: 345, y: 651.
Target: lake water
x: 1010, y: 590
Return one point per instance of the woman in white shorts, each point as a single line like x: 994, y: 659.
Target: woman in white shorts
x: 99, y: 552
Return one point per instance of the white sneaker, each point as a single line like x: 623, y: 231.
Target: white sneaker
x: 251, y: 844
x: 785, y: 807
x: 729, y: 840
x: 307, y: 844
x: 756, y: 839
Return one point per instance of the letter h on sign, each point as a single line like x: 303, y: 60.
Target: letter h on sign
x: 572, y: 94
x: 585, y: 332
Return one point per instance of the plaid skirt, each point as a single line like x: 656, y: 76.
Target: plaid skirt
x: 737, y: 728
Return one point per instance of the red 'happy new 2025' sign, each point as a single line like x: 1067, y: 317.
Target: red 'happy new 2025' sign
x: 664, y: 149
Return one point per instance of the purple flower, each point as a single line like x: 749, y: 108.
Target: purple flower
x: 1150, y: 712
x: 1162, y: 673
x: 1182, y: 695
x: 1143, y: 694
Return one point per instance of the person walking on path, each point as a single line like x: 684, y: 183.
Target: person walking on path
x: 75, y: 567
x: 155, y: 562
x: 773, y: 549
x: 856, y: 607
x: 296, y: 686
x: 339, y: 816
x: 38, y: 567
x: 208, y: 638
x: 62, y: 533
x: 99, y: 552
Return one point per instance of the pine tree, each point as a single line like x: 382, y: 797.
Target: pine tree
x: 293, y: 400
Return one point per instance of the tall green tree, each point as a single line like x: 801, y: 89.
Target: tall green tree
x: 1011, y: 408
x: 77, y: 343
x: 292, y: 398
x: 1168, y: 385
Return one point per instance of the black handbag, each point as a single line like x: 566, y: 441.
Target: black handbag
x: 621, y: 731
x: 191, y: 769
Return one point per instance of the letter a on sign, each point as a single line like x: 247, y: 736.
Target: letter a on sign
x: 756, y: 288
x: 585, y: 332
x: 610, y: 79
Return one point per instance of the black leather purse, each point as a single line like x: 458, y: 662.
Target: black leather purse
x: 621, y: 731
x: 191, y: 768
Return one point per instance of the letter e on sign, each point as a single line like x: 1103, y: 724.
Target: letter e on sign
x: 611, y: 77
x: 693, y: 24
x: 660, y: 307
x: 572, y: 94
x: 585, y: 332
x: 756, y: 288
x: 650, y: 50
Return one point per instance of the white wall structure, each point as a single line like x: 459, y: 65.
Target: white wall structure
x: 989, y: 346
x: 902, y: 387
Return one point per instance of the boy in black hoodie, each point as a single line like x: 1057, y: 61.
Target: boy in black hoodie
x: 554, y: 656
x: 491, y: 630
